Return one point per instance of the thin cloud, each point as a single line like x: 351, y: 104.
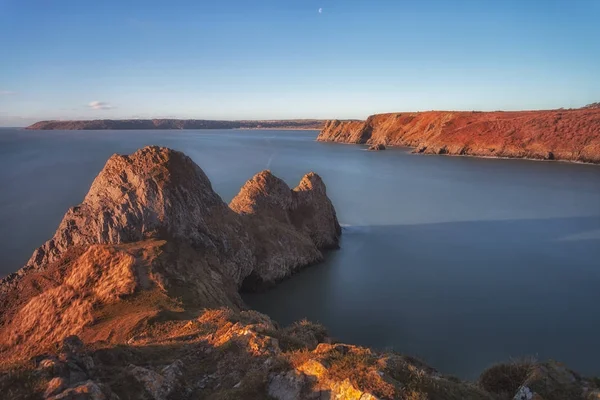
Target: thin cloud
x: 6, y: 92
x: 99, y: 105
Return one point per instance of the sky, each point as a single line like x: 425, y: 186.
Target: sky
x: 279, y: 59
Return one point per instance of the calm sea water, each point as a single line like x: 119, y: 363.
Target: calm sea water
x: 460, y: 261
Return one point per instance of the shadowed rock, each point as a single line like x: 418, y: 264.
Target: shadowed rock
x: 295, y: 223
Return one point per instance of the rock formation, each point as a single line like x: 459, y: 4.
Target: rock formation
x: 377, y: 147
x: 136, y: 297
x: 289, y: 225
x: 112, y: 124
x: 152, y: 220
x: 569, y: 135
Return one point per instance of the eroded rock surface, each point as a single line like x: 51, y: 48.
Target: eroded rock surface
x: 151, y: 225
x: 570, y: 135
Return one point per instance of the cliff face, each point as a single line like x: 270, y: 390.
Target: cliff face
x: 570, y: 135
x: 158, y: 193
x: 124, y: 124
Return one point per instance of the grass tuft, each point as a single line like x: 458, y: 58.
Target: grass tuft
x: 505, y: 379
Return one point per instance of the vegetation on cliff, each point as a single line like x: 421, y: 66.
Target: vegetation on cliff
x: 569, y: 135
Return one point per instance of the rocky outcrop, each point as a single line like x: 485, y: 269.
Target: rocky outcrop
x: 377, y: 147
x: 294, y: 222
x: 154, y: 193
x: 568, y: 135
x: 158, y: 193
x: 554, y: 381
x: 151, y: 223
x: 226, y: 354
x: 125, y: 124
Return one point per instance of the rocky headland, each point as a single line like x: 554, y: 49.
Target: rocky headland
x: 136, y: 296
x: 567, y: 135
x: 125, y: 124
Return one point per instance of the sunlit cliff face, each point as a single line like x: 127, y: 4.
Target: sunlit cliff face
x: 570, y: 135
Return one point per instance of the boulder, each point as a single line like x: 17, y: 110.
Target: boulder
x: 86, y: 391
x: 377, y: 147
x: 158, y: 386
x: 553, y: 381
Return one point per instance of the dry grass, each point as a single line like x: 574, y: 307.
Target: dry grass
x: 141, y: 313
x: 360, y: 367
x: 104, y: 272
x: 99, y: 276
x: 505, y: 379
x: 310, y: 333
x: 252, y: 386
x: 298, y: 358
x: 300, y: 335
x: 49, y: 317
x: 216, y: 318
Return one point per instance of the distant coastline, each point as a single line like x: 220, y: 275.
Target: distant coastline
x: 133, y: 124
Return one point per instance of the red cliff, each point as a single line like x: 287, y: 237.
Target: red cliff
x: 569, y: 135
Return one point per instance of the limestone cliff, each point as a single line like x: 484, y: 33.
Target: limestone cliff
x: 569, y: 135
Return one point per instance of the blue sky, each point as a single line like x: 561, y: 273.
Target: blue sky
x: 241, y: 59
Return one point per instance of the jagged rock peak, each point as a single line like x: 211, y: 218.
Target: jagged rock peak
x: 306, y: 207
x: 313, y: 212
x: 155, y: 192
x: 264, y: 193
x: 312, y: 181
x: 160, y: 194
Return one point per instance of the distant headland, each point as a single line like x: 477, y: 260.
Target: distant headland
x: 121, y: 124
x: 563, y: 134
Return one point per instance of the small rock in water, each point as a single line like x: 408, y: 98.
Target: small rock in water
x: 377, y: 147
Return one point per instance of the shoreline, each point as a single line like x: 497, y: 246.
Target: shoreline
x: 491, y: 157
x: 396, y: 147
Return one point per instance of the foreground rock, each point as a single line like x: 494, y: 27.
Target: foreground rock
x: 136, y: 297
x: 226, y: 354
x: 570, y: 135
